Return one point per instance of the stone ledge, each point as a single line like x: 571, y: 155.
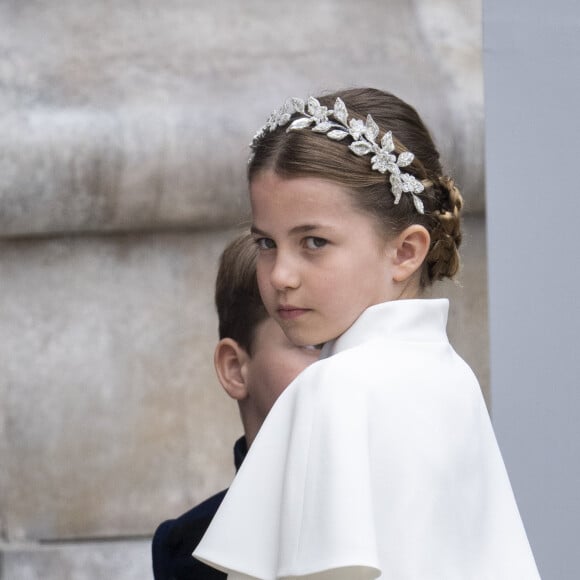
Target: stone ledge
x: 118, y: 560
x: 85, y: 170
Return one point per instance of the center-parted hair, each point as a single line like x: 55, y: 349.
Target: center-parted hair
x: 237, y: 297
x: 305, y: 153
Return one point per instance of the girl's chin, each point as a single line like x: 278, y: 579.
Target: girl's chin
x: 305, y: 339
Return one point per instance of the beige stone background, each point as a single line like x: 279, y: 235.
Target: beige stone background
x: 123, y: 141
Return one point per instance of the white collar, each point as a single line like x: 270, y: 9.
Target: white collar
x: 422, y: 320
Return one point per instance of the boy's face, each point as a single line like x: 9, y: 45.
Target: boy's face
x: 274, y: 365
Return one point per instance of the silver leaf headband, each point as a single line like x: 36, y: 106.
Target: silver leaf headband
x: 363, y: 135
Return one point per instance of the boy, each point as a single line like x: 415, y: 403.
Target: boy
x: 254, y: 362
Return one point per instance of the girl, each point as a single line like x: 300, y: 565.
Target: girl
x: 379, y: 460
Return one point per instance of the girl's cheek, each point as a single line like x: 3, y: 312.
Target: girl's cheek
x: 263, y: 276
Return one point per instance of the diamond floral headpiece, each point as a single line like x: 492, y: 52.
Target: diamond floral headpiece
x: 336, y: 125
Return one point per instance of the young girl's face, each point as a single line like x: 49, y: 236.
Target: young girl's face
x: 321, y: 261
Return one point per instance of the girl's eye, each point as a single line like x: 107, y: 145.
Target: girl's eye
x: 314, y: 243
x: 265, y: 243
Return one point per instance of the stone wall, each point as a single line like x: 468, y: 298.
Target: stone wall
x: 123, y: 143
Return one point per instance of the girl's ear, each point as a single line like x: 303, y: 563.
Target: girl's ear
x: 229, y: 361
x: 411, y: 247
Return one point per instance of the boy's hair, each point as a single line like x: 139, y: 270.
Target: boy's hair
x: 237, y: 297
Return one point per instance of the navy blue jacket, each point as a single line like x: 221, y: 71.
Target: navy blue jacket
x: 175, y: 540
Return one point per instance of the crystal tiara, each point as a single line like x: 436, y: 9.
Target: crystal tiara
x: 336, y: 125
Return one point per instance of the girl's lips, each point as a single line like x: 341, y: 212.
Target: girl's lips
x: 289, y: 312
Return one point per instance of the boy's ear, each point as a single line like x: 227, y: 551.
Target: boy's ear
x: 411, y: 247
x: 229, y: 361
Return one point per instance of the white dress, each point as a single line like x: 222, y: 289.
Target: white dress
x: 378, y: 461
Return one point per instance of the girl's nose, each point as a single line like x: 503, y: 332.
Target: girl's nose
x: 284, y: 274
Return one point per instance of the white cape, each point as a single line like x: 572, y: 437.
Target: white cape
x: 379, y: 460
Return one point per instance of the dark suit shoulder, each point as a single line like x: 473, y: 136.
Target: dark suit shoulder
x: 174, y: 541
x: 206, y: 508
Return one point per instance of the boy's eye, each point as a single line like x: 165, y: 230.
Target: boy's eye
x: 265, y: 243
x: 314, y: 243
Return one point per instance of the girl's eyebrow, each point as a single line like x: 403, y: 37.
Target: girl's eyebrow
x: 295, y: 230
x: 258, y: 231
x: 305, y: 228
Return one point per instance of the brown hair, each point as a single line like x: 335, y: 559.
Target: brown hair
x: 302, y: 153
x: 237, y: 298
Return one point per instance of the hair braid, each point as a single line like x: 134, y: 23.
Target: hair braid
x: 443, y: 257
